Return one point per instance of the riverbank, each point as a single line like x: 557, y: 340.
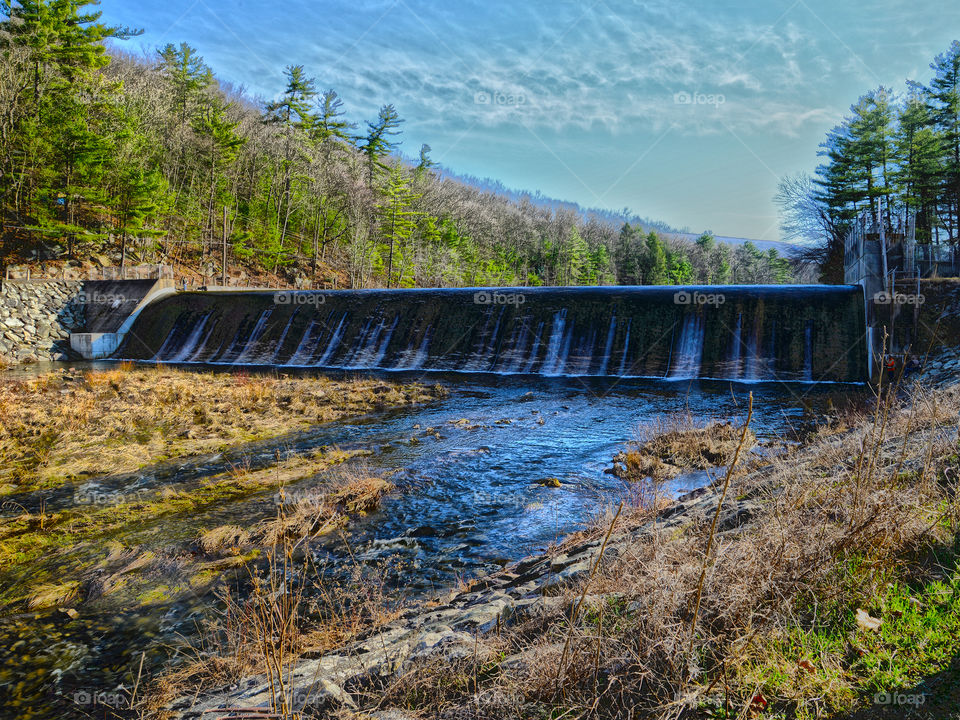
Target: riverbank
x: 83, y: 527
x: 822, y: 583
x: 67, y: 426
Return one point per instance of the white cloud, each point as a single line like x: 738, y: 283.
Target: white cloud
x: 616, y: 66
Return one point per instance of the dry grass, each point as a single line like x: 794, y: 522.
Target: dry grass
x: 264, y: 628
x: 303, y: 513
x: 677, y: 445
x: 226, y: 538
x: 31, y: 537
x: 815, y: 536
x: 63, y: 425
x: 320, y: 514
x: 55, y: 595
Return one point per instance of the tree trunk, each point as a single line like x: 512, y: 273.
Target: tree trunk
x: 223, y: 259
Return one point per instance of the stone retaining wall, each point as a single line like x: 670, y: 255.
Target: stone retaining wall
x: 37, y: 317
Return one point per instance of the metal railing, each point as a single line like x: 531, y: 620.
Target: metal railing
x: 129, y: 272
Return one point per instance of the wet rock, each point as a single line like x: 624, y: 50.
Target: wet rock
x: 422, y: 531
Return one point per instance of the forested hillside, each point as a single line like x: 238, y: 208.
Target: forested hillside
x: 152, y: 159
x: 896, y: 155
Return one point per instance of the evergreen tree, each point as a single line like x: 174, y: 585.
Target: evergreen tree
x: 399, y: 222
x: 705, y: 245
x: 919, y: 173
x: 292, y: 110
x: 655, y: 262
x: 329, y: 122
x: 720, y: 260
x: 628, y: 256
x: 378, y: 142
x: 426, y: 162
x: 65, y: 135
x: 63, y: 38
x: 681, y: 271
x: 944, y: 95
x: 220, y: 145
x: 187, y: 74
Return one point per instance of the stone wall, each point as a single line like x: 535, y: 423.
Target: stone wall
x: 37, y: 317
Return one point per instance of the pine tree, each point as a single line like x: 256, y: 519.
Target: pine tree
x: 220, y: 144
x: 65, y: 136
x: 841, y: 194
x: 62, y: 38
x: 575, y: 264
x: 704, y: 247
x: 720, y: 261
x: 944, y: 94
x: 188, y: 75
x: 329, y: 123
x: 426, y: 162
x: 378, y: 143
x: 399, y: 220
x: 655, y: 262
x: 870, y: 151
x: 681, y: 271
x: 293, y: 108
x: 919, y: 150
x: 627, y: 257
x: 292, y: 113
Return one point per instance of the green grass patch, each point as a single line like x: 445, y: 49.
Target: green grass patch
x: 835, y: 665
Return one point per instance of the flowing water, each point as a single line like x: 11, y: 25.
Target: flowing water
x: 545, y: 383
x: 755, y: 333
x: 468, y: 498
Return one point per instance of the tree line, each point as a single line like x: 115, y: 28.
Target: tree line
x: 896, y: 155
x: 152, y: 159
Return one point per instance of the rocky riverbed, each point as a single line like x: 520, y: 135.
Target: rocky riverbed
x: 362, y: 676
x: 448, y: 626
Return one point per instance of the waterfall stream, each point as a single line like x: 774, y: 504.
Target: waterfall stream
x: 742, y: 333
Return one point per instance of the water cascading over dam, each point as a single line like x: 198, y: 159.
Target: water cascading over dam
x: 743, y: 333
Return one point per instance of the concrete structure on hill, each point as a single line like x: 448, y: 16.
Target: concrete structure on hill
x: 60, y: 317
x: 877, y: 254
x: 885, y: 258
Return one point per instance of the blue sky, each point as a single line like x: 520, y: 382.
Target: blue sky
x: 684, y: 112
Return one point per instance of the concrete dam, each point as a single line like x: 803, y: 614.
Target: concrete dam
x: 738, y: 333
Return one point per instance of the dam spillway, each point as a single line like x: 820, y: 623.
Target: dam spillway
x: 740, y: 333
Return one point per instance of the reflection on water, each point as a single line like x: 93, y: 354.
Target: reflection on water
x: 468, y: 501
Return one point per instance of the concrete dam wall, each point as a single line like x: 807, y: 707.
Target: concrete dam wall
x: 741, y: 333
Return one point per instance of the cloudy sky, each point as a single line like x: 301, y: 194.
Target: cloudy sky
x: 684, y: 112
